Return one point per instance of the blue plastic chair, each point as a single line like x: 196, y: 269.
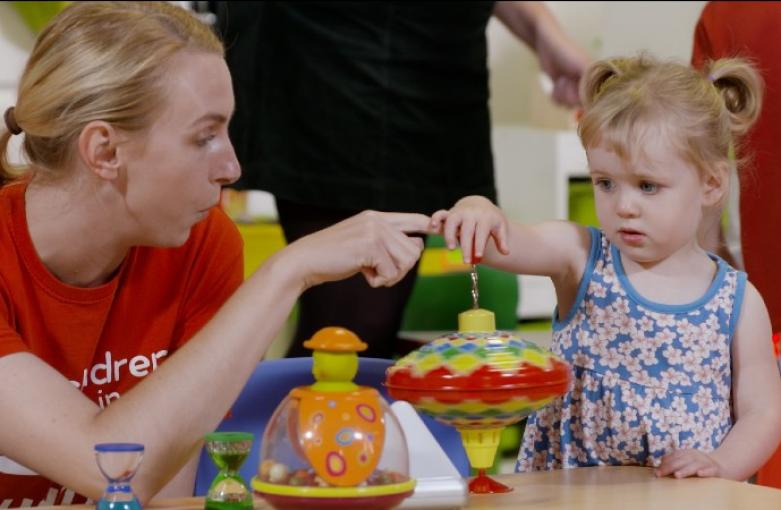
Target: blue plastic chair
x: 270, y: 383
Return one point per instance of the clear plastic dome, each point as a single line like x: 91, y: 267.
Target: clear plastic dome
x: 334, y: 445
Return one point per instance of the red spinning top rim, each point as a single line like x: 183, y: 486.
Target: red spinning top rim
x: 485, y: 378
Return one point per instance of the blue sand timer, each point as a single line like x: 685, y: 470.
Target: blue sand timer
x: 118, y: 462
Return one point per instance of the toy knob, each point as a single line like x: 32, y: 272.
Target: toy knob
x: 476, y: 321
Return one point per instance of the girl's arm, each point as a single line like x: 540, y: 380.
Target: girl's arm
x: 756, y: 395
x: 51, y: 428
x: 557, y: 249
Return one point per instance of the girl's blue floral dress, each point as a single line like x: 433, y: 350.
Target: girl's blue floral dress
x: 648, y: 378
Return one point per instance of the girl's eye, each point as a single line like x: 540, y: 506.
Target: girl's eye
x: 605, y: 184
x: 648, y: 187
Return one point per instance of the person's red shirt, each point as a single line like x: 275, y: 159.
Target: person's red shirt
x: 105, y: 339
x: 751, y: 30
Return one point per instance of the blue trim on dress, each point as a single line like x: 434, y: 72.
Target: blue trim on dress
x: 737, y: 305
x: 714, y: 287
x: 588, y: 270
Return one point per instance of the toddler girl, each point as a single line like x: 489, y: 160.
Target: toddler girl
x: 669, y: 344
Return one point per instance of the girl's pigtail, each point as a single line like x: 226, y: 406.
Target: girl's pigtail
x: 741, y: 87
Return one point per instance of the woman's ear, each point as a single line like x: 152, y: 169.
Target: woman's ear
x: 716, y: 184
x: 98, y: 149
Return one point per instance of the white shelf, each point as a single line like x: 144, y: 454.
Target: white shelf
x: 533, y: 172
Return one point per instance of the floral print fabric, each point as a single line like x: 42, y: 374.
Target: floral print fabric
x: 648, y: 378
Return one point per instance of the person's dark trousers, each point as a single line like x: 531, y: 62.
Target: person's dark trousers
x: 374, y: 314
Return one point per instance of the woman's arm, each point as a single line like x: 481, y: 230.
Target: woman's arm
x: 181, y: 485
x: 561, y: 59
x: 50, y: 427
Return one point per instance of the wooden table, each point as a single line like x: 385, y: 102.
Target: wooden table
x: 596, y: 488
x: 624, y: 488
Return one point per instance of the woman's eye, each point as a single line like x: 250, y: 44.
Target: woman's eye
x: 648, y: 187
x: 205, y: 140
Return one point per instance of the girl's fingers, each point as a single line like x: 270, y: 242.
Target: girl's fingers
x: 687, y: 470
x: 482, y: 232
x: 449, y: 232
x: 467, y: 238
x: 670, y: 463
x: 471, y: 235
x: 685, y: 463
x: 707, y: 472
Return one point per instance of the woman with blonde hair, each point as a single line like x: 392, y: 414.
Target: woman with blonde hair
x: 669, y: 344
x: 122, y: 313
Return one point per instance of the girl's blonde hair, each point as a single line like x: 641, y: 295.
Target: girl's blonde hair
x: 703, y: 113
x: 98, y: 61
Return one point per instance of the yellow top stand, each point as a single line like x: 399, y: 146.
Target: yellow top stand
x: 476, y: 320
x: 480, y: 445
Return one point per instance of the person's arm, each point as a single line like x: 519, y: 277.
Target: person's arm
x: 756, y: 395
x: 51, y: 428
x: 557, y: 249
x: 183, y: 484
x: 561, y: 59
x: 711, y: 235
x: 712, y: 238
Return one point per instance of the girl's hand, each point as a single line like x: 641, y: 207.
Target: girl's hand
x: 469, y: 224
x: 684, y: 463
x: 374, y: 243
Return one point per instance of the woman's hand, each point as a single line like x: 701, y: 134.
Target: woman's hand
x: 562, y: 60
x: 684, y: 463
x: 560, y: 57
x: 374, y: 243
x: 469, y: 224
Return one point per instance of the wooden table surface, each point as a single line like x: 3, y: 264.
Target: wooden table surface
x: 594, y: 488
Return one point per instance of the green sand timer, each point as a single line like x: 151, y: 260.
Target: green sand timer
x: 228, y: 491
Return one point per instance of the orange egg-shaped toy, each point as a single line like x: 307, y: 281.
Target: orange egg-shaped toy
x: 341, y: 437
